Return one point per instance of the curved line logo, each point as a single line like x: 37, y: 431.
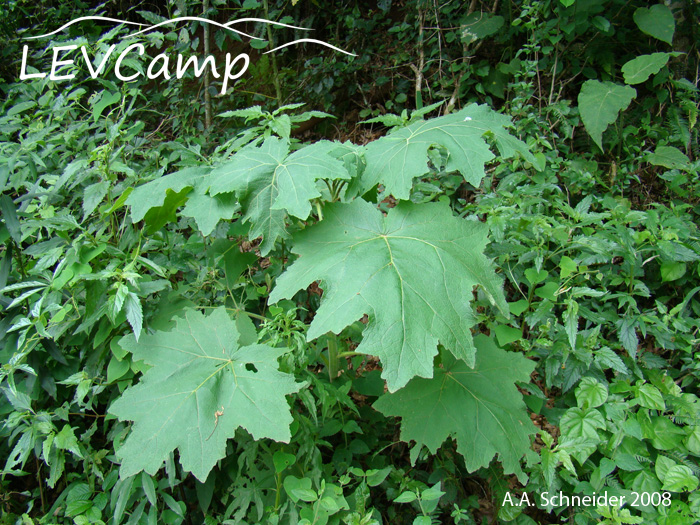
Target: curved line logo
x: 159, y: 65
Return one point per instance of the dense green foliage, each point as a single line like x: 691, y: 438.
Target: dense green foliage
x: 222, y: 308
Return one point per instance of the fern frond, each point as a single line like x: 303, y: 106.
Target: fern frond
x: 643, y: 459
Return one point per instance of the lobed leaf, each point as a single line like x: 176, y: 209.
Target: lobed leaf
x: 153, y: 193
x: 201, y: 387
x: 270, y: 182
x: 396, y: 159
x: 480, y: 408
x: 413, y: 272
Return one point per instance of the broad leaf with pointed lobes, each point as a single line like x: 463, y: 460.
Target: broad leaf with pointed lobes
x: 396, y: 159
x: 480, y: 408
x: 153, y: 194
x: 413, y: 272
x: 271, y: 183
x: 157, y: 200
x: 201, y: 387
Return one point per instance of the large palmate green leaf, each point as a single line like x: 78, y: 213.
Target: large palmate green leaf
x: 480, y: 408
x: 200, y: 388
x: 159, y: 216
x: 153, y: 193
x: 207, y: 211
x: 412, y: 272
x: 154, y: 200
x: 396, y: 159
x: 270, y: 183
x: 599, y: 104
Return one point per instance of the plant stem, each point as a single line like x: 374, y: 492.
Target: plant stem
x: 421, y: 60
x: 254, y: 316
x: 332, y: 357
x: 275, y: 71
x: 337, y: 188
x: 207, y: 50
x: 41, y: 487
x: 349, y: 354
x: 278, y: 478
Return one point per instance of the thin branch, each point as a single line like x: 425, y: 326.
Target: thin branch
x: 554, y: 76
x: 207, y: 95
x: 421, y: 60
